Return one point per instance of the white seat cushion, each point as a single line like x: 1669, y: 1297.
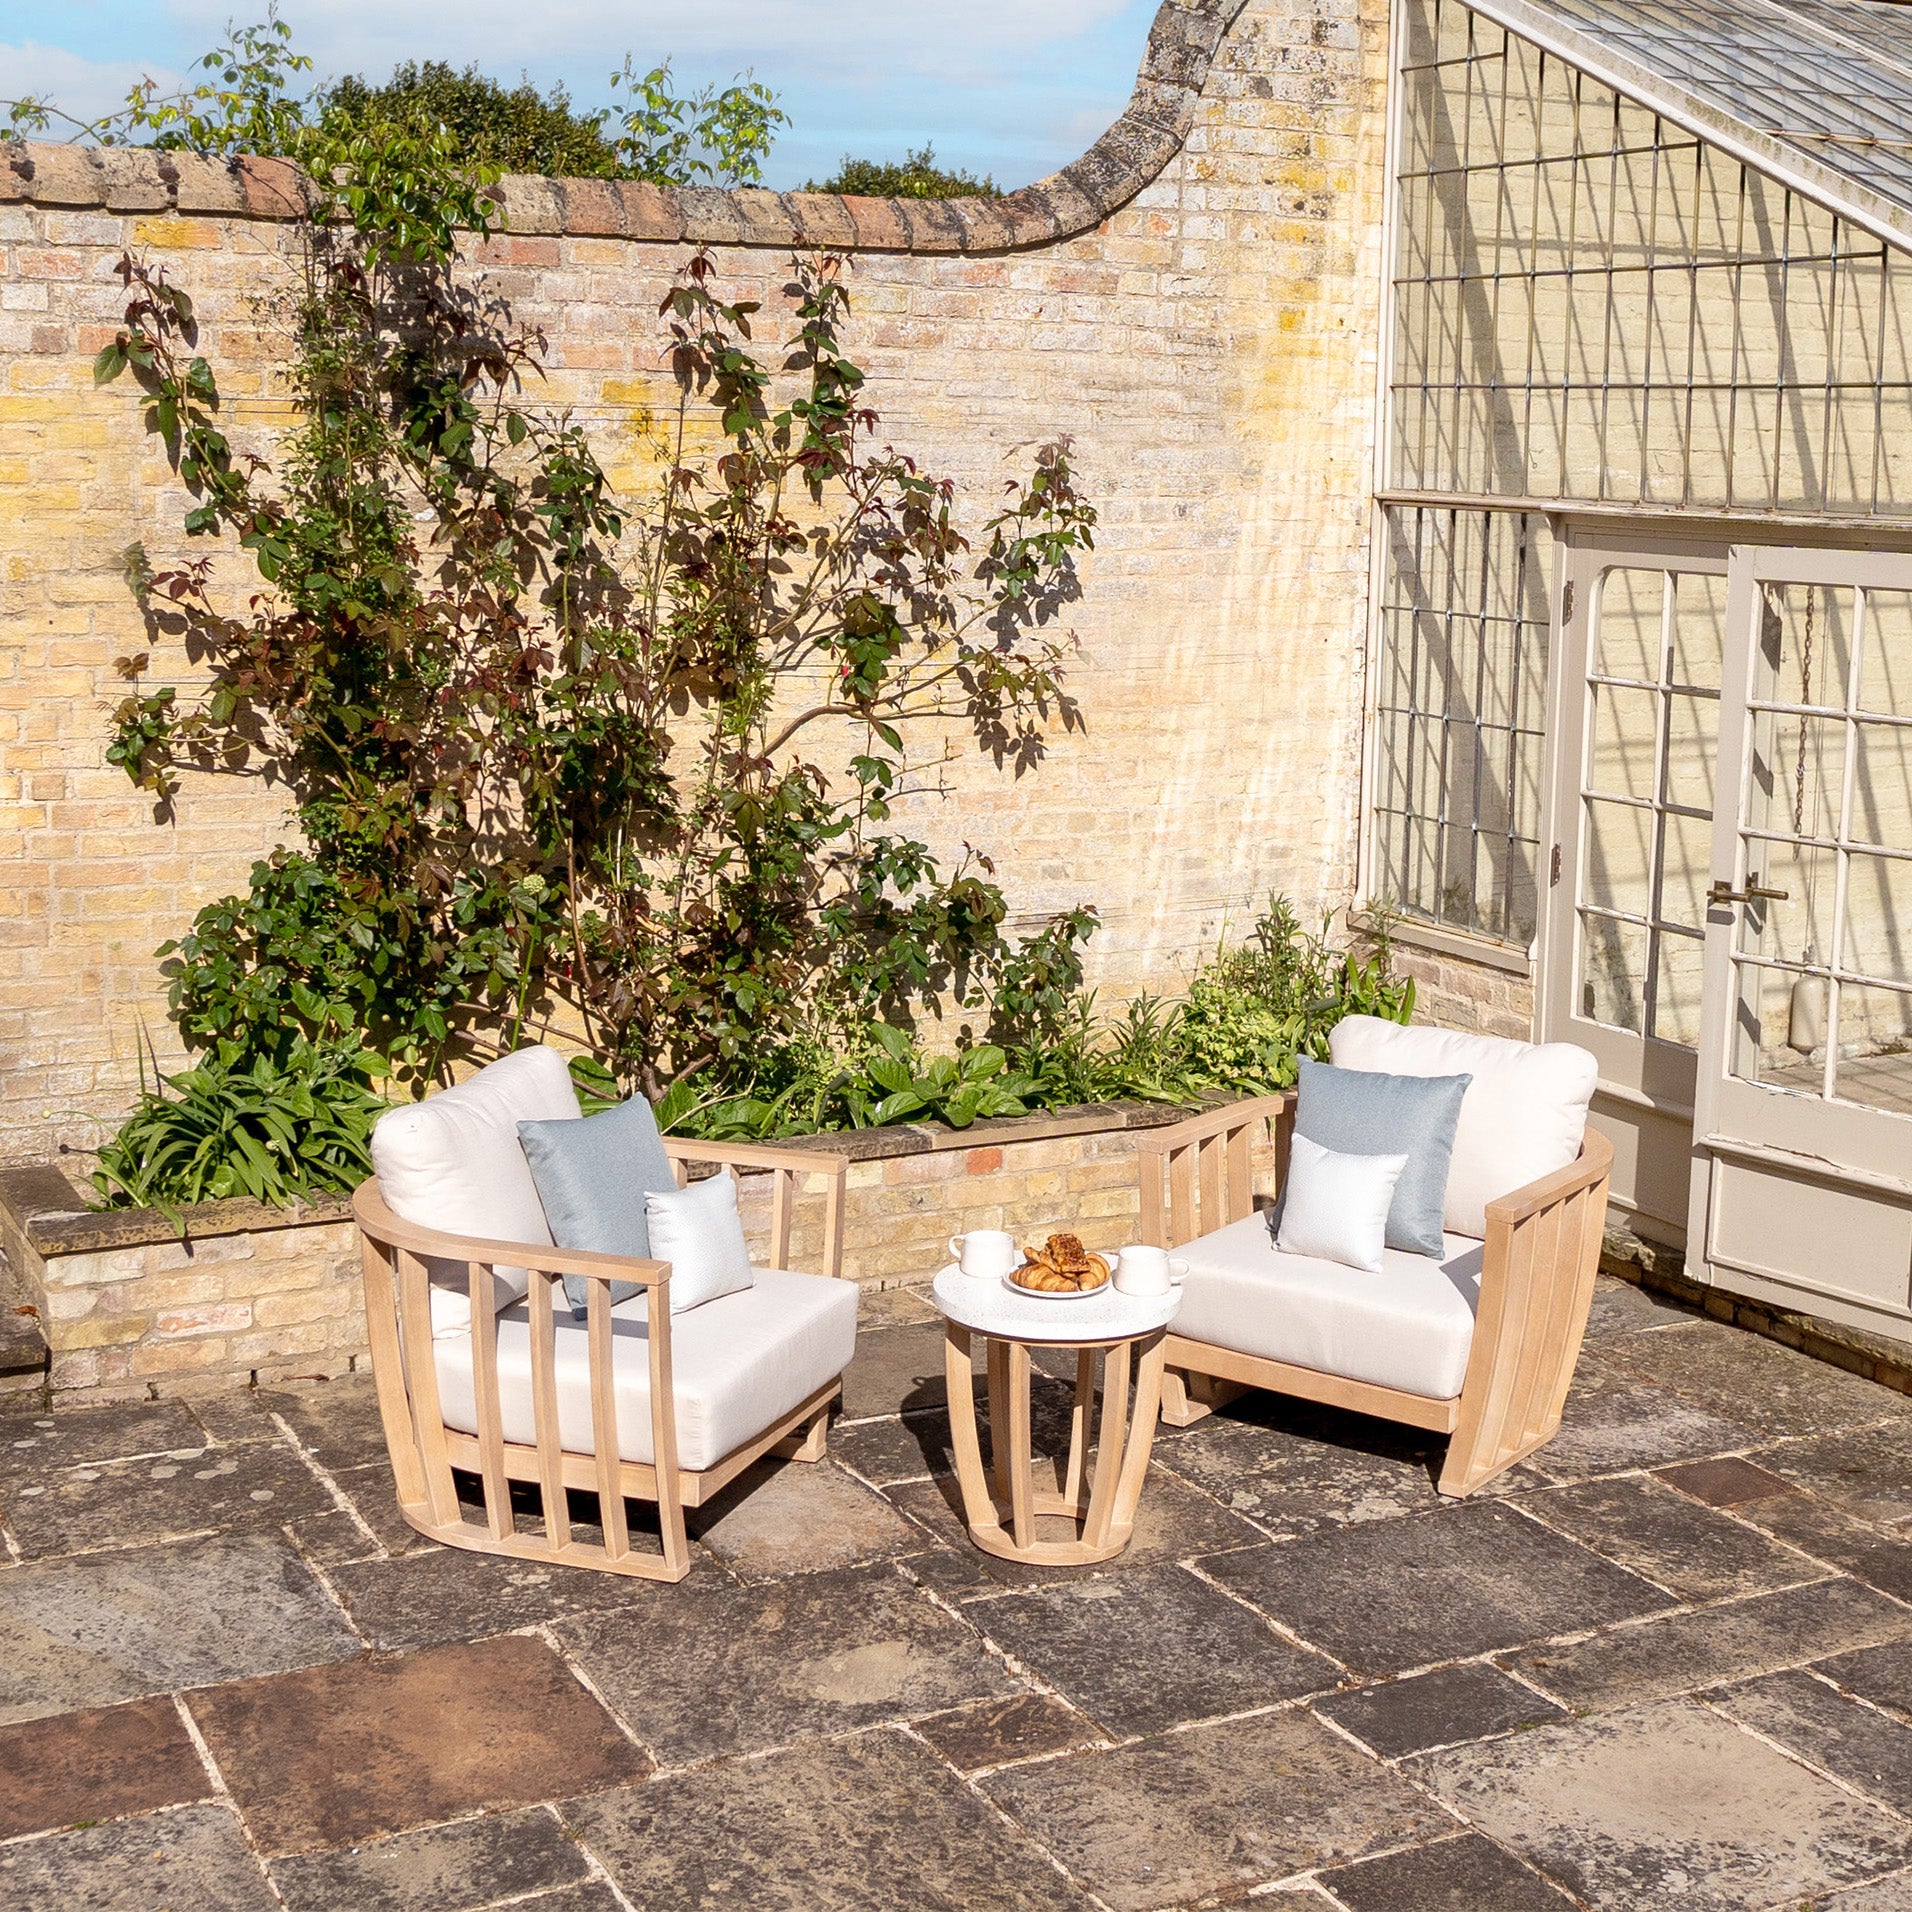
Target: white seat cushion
x: 1523, y: 1116
x: 738, y: 1363
x: 454, y: 1163
x: 1408, y: 1327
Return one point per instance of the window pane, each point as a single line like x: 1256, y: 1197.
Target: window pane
x: 1612, y: 973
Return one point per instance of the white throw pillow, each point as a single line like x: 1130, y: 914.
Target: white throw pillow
x: 699, y: 1232
x: 454, y: 1163
x: 1335, y: 1207
x: 1523, y: 1116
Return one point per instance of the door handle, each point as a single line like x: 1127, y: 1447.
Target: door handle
x: 1723, y: 892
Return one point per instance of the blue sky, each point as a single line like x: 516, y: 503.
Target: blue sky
x: 1009, y: 87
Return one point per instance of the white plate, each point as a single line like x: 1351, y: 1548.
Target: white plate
x: 1058, y: 1294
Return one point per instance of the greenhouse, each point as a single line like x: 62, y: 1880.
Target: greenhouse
x: 1643, y: 608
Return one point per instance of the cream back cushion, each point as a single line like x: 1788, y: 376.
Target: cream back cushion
x: 454, y: 1163
x: 1523, y: 1115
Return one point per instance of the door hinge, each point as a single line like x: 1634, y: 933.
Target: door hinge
x: 1566, y: 603
x: 1553, y: 867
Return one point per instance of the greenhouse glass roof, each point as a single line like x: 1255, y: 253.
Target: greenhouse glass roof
x: 1818, y: 92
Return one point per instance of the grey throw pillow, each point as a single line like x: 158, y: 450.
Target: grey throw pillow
x: 1359, y: 1112
x: 592, y: 1177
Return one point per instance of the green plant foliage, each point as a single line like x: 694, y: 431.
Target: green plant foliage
x: 272, y: 1130
x: 430, y: 121
x: 516, y: 129
x: 915, y: 176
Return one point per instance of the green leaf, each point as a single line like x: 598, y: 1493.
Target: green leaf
x: 109, y: 363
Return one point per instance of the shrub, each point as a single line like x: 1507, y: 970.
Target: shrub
x: 916, y: 176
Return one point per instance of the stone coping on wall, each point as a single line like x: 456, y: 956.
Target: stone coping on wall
x: 50, y: 1211
x: 1181, y: 48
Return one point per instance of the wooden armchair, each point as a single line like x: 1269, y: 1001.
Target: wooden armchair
x: 521, y: 1393
x: 1537, y: 1268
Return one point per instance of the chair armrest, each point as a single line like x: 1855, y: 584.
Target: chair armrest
x: 1223, y: 1121
x: 378, y: 1221
x: 1591, y: 1165
x: 753, y: 1156
x: 786, y: 1166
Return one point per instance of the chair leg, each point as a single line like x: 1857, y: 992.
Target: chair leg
x: 1188, y: 1397
x: 811, y: 1444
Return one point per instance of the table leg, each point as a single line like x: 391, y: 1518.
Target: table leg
x: 996, y: 1359
x: 1135, y: 1459
x: 1079, y: 1431
x: 978, y: 1508
x: 1015, y: 1449
x: 1108, y: 1446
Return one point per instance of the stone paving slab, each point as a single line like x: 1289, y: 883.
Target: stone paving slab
x: 1293, y: 1468
x: 897, y: 1448
x: 34, y: 1444
x: 115, y: 1626
x: 1813, y: 1526
x: 1883, y: 1895
x: 1619, y: 1307
x: 1613, y: 1421
x: 1865, y: 1472
x: 720, y: 1670
x: 996, y: 1732
x: 442, y: 1869
x: 1735, y: 1373
x: 1467, y: 1874
x: 1684, y: 1651
x: 1397, y: 1594
x: 1660, y: 1534
x: 438, y: 1594
x: 896, y: 1371
x: 873, y: 1823
x: 1728, y: 1483
x: 1881, y: 1674
x: 1667, y: 1805
x: 339, y: 1754
x: 102, y: 1763
x: 1453, y: 1703
x: 785, y: 1517
x: 1152, y: 1649
x: 192, y: 1860
x: 1216, y: 1809
x: 125, y: 1503
x: 1868, y: 1749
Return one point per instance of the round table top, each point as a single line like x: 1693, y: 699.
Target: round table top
x: 989, y: 1305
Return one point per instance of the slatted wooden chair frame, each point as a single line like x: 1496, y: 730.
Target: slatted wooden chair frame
x: 424, y: 1451
x: 1542, y: 1252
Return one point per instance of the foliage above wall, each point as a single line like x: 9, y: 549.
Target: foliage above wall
x: 716, y: 136
x: 916, y: 176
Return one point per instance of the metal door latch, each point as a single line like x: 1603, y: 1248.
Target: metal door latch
x: 1723, y: 892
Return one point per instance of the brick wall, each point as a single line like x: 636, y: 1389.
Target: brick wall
x: 1195, y: 302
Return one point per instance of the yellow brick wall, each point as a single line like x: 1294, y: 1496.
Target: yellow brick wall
x: 1211, y: 347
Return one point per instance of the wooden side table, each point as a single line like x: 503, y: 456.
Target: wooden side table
x: 1003, y: 1503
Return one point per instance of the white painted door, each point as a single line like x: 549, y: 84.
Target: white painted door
x: 1635, y: 741
x: 1803, y: 1128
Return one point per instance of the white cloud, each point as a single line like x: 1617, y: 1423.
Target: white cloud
x: 88, y: 89
x: 967, y: 41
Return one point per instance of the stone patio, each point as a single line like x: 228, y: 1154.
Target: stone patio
x: 1667, y: 1664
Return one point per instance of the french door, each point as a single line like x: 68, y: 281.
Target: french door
x: 1636, y: 738
x: 1729, y: 918
x: 1804, y: 1111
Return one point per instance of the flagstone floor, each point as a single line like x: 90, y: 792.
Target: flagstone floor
x: 1667, y: 1664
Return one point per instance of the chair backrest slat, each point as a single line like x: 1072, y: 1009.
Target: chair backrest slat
x: 421, y: 1382
x: 544, y: 1406
x: 604, y: 1436
x: 484, y: 1394
x: 388, y: 1374
x: 783, y: 1186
